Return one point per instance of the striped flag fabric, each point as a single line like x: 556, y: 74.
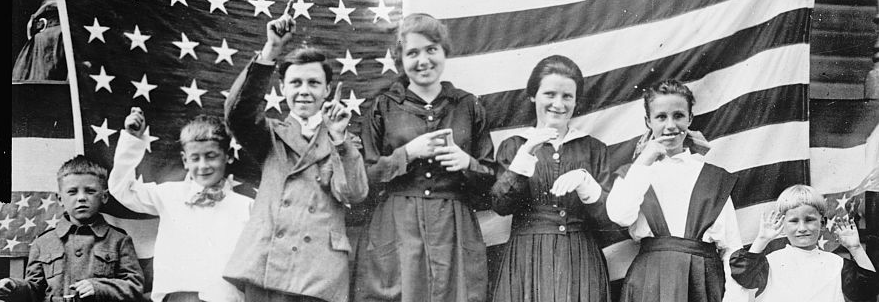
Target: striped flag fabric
x: 747, y: 62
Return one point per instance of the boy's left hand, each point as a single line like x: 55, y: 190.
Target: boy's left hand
x: 847, y: 233
x: 84, y: 288
x: 336, y: 115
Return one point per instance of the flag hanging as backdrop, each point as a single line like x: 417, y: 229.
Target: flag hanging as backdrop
x: 747, y: 62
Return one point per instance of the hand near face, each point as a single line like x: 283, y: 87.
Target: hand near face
x: 135, y: 122
x: 84, y: 288
x: 537, y: 137
x: 847, y: 233
x: 336, y: 115
x: 654, y: 149
x: 568, y: 182
x: 771, y: 225
x: 424, y: 145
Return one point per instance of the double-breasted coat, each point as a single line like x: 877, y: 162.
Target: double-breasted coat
x: 295, y: 240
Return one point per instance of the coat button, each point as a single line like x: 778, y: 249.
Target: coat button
x: 556, y: 156
x: 78, y: 253
x: 307, y: 239
x: 430, y: 117
x: 428, y: 175
x: 563, y: 213
x: 430, y: 160
x: 279, y: 234
x: 562, y: 228
x: 295, y: 249
x: 426, y: 192
x: 311, y: 209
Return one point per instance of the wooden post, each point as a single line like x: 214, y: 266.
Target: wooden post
x: 871, y: 83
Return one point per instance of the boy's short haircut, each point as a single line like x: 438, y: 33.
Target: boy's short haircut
x: 304, y: 56
x: 82, y: 165
x: 798, y: 195
x: 204, y: 128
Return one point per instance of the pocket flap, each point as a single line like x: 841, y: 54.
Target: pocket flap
x: 106, y: 256
x: 49, y: 257
x: 339, y: 241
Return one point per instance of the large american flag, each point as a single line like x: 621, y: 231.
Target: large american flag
x: 746, y: 60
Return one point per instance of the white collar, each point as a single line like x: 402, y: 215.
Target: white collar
x: 312, y: 123
x: 573, y: 133
x: 195, y: 187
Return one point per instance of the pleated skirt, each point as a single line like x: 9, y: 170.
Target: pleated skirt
x: 671, y: 269
x: 552, y: 268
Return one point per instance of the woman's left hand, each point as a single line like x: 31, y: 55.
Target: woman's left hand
x: 452, y: 157
x: 568, y: 182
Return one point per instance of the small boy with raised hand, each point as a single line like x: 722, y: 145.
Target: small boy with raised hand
x: 82, y: 256
x: 801, y: 271
x: 200, y: 217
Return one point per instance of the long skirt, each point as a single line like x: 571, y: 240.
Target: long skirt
x: 672, y: 269
x: 553, y: 267
x: 421, y: 250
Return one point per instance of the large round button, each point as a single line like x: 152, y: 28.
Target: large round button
x: 78, y: 253
x: 563, y: 213
x: 295, y: 249
x: 430, y: 160
x: 430, y: 118
x: 279, y: 233
x: 426, y: 192
x: 307, y: 239
x: 562, y: 228
x: 311, y: 209
x: 428, y: 175
x: 556, y: 156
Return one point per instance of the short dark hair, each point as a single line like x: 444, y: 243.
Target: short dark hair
x: 555, y: 64
x: 82, y: 165
x: 668, y: 87
x: 304, y: 56
x: 425, y: 25
x: 205, y: 128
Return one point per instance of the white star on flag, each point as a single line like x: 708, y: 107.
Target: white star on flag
x: 388, y: 63
x: 6, y: 222
x: 352, y: 103
x: 193, y: 93
x: 822, y: 242
x: 143, y: 88
x: 218, y: 4
x: 22, y: 203
x: 103, y: 80
x: 841, y: 202
x: 52, y: 223
x: 349, y: 63
x: 181, y: 1
x: 11, y: 243
x: 149, y: 139
x: 382, y: 11
x: 300, y: 8
x: 342, y: 12
x: 273, y: 100
x: 96, y: 31
x: 28, y: 224
x: 224, y: 53
x: 186, y: 47
x: 261, y: 6
x: 137, y: 39
x: 235, y: 147
x: 47, y: 202
x: 102, y: 133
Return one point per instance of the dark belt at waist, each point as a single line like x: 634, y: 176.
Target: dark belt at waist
x: 677, y: 244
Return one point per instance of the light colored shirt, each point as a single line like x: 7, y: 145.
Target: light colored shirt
x: 524, y: 164
x: 308, y: 126
x: 193, y: 243
x: 673, y: 179
x: 797, y: 275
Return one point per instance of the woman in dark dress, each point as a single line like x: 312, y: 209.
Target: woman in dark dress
x: 547, y: 176
x: 427, y: 145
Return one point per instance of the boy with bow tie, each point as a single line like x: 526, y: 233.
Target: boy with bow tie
x: 200, y: 217
x: 295, y: 247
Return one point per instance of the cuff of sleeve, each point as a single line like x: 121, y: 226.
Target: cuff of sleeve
x: 589, y: 190
x: 259, y: 60
x: 401, y: 158
x: 126, y: 140
x: 523, y: 164
x: 339, y: 142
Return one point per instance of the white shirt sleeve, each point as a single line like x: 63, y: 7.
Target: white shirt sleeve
x: 589, y: 191
x: 627, y: 194
x: 136, y: 196
x: 523, y: 163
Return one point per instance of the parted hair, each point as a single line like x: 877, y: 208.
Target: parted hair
x: 798, y: 195
x: 425, y: 25
x: 303, y: 56
x: 555, y: 64
x: 205, y: 128
x: 668, y: 87
x: 82, y: 165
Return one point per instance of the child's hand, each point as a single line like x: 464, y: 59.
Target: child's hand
x: 336, y: 115
x: 84, y: 288
x: 771, y: 225
x: 7, y: 286
x: 653, y: 150
x: 847, y: 233
x: 135, y: 123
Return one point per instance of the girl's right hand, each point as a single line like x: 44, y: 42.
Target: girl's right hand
x: 537, y: 137
x: 771, y: 225
x: 653, y: 150
x: 135, y: 123
x: 423, y: 146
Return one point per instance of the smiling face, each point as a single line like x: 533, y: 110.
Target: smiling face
x: 669, y: 115
x: 82, y: 196
x: 802, y: 226
x: 423, y: 60
x: 555, y: 100
x: 305, y: 88
x: 205, y: 161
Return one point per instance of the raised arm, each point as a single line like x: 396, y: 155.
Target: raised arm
x: 135, y: 196
x: 349, y: 183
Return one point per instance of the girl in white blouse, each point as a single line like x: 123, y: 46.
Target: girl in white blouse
x: 678, y: 207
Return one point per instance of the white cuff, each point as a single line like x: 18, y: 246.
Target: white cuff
x: 126, y: 141
x: 589, y: 191
x: 523, y: 164
x: 261, y: 61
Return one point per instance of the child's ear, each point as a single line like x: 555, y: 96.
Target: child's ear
x: 183, y: 158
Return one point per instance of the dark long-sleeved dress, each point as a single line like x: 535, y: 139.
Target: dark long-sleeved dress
x: 551, y: 255
x: 423, y: 242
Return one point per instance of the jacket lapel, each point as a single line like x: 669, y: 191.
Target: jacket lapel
x: 307, y: 152
x: 290, y: 133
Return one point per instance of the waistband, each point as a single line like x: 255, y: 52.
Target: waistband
x: 677, y: 244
